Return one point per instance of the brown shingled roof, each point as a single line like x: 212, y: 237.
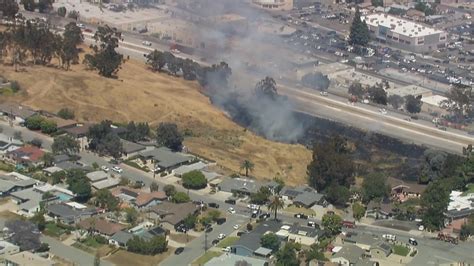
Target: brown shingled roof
x: 100, y: 225
x: 144, y: 198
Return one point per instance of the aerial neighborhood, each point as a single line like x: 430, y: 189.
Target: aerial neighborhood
x: 334, y: 133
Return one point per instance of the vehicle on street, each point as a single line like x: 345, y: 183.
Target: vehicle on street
x: 105, y: 168
x: 264, y: 216
x: 213, y: 205
x: 215, y: 242
x: 313, y: 224
x: 236, y: 226
x: 146, y: 43
x: 323, y: 93
x: 220, y: 220
x: 412, y: 241
x: 117, y: 169
x: 301, y: 216
x: 240, y: 233
x: 448, y: 238
x: 209, y: 229
x: 383, y: 111
x: 179, y: 251
x: 252, y: 206
x: 230, y: 201
x: 231, y: 210
x: 389, y: 237
x: 226, y: 249
x: 348, y: 224
x: 221, y: 236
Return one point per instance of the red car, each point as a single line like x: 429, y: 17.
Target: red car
x: 87, y: 30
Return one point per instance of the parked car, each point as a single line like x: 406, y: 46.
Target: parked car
x: 240, y: 233
x: 301, y: 216
x: 389, y: 237
x: 215, y: 242
x: 146, y: 43
x: 213, y: 205
x: 236, y: 226
x: 117, y: 169
x: 105, y: 168
x: 413, y: 241
x: 221, y: 236
x: 220, y: 220
x: 313, y: 224
x: 226, y: 249
x: 264, y: 216
x: 209, y: 229
x: 324, y: 93
x: 230, y: 201
x: 231, y: 210
x: 179, y: 251
x: 253, y: 206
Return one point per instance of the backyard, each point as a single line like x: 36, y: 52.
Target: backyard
x: 123, y: 257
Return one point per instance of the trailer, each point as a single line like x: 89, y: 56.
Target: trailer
x: 447, y: 237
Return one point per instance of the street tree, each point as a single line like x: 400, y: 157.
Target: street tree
x: 359, y: 34
x: 194, y: 180
x: 248, y: 166
x: 434, y: 202
x: 276, y: 203
x: 168, y: 135
x: 156, y: 60
x: 62, y: 11
x: 332, y: 223
x: 374, y: 186
x: 396, y: 101
x: 270, y: 241
x: 331, y: 163
x: 180, y: 197
x: 460, y: 100
x: 358, y: 211
x: 356, y: 89
x: 261, y: 196
x: 266, y: 88
x: 9, y: 8
x: 413, y: 104
x: 169, y: 190
x: 65, y: 144
x: 378, y: 94
x: 105, y: 58
x: 154, y: 186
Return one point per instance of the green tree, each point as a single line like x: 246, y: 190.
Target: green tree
x: 356, y: 89
x: 170, y: 190
x: 131, y: 215
x: 358, y: 211
x: 331, y: 162
x: 48, y: 126
x: 287, y: 256
x: 270, y: 241
x: 156, y: 60
x: 190, y: 221
x: 9, y: 8
x: 44, y: 6
x: 180, y: 197
x: 105, y: 58
x: 413, y: 104
x: 57, y: 177
x: 66, y: 113
x: 276, y: 203
x: 359, y: 34
x: 34, y: 122
x: 214, y: 214
x: 317, y: 81
x: 261, y: 196
x: 378, y: 94
x: 156, y: 245
x: 377, y: 3
x: 194, y: 180
x: 247, y: 166
x: 48, y: 159
x: 434, y: 202
x: 337, y: 195
x: 73, y: 14
x: 396, y: 101
x: 460, y: 100
x: 79, y: 184
x: 104, y: 199
x: 332, y: 223
x: 29, y: 5
x: 266, y: 88
x: 374, y: 186
x: 154, y: 186
x: 72, y: 37
x: 65, y: 144
x: 62, y: 11
x: 168, y: 135
x: 39, y: 220
x: 315, y: 252
x: 280, y: 186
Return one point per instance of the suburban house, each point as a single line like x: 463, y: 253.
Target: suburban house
x: 27, y: 258
x: 16, y: 112
x: 460, y: 206
x: 101, y: 227
x: 180, y: 171
x: 139, y: 198
x: 243, y: 186
x: 70, y: 213
x: 7, y: 248
x: 62, y: 123
x: 8, y: 144
x: 173, y: 214
x: 13, y: 182
x: 380, y: 250
x: 363, y: 241
x: 51, y: 170
x: 233, y: 259
x: 379, y: 209
x: 402, y: 190
x: 163, y: 159
x: 303, y: 196
x: 121, y: 238
x: 249, y: 244
x: 97, y: 176
x: 79, y: 132
x: 102, y: 180
x: 304, y: 235
x: 26, y: 156
x: 347, y: 255
x: 130, y: 149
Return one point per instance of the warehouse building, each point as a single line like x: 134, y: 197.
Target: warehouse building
x: 405, y: 34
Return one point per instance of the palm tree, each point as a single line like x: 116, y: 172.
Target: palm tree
x: 276, y: 204
x: 248, y: 166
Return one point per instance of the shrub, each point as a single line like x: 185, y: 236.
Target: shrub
x: 66, y: 113
x: 194, y: 180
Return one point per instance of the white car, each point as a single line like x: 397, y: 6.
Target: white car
x: 324, y: 93
x: 383, y: 111
x: 421, y: 228
x: 226, y: 249
x: 389, y: 237
x: 105, y: 168
x: 252, y: 206
x: 146, y: 43
x: 231, y: 210
x: 221, y: 236
x: 117, y: 169
x: 236, y: 226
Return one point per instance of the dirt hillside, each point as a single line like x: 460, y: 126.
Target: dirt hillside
x: 141, y: 95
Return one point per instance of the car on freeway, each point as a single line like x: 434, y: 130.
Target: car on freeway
x: 383, y: 111
x: 179, y: 251
x: 221, y: 236
x: 105, y: 168
x: 146, y: 43
x: 412, y: 241
x: 323, y: 93
x: 231, y: 210
x: 117, y: 169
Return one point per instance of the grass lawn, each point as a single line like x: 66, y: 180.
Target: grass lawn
x: 181, y: 238
x: 123, y: 257
x: 295, y: 209
x: 401, y: 250
x: 6, y: 167
x: 206, y: 257
x: 228, y: 241
x: 470, y: 189
x: 53, y: 230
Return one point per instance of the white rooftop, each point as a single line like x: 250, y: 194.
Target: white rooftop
x: 400, y: 26
x: 434, y: 100
x: 460, y: 202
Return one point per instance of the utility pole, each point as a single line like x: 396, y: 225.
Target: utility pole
x: 205, y: 240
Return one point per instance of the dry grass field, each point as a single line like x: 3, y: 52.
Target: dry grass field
x: 141, y: 95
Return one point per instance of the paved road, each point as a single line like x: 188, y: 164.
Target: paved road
x: 78, y: 257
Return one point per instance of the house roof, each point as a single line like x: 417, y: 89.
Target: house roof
x: 28, y: 258
x: 52, y: 169
x: 27, y: 153
x: 144, y: 197
x: 308, y: 198
x: 305, y: 231
x: 68, y: 165
x: 232, y: 259
x: 239, y: 184
x: 16, y: 110
x: 122, y: 237
x: 165, y: 158
x: 383, y: 246
x: 351, y: 253
x: 188, y: 168
x: 68, y: 213
x: 412, y: 187
x: 101, y: 225
x: 106, y: 183
x: 61, y: 158
x: 149, y: 234
x: 174, y: 213
x: 62, y: 123
x: 8, y: 182
x: 263, y: 251
x: 79, y: 130
x: 361, y: 238
x: 131, y: 147
x: 414, y: 13
x: 251, y: 241
x: 97, y: 176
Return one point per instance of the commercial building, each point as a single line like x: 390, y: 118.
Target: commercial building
x: 405, y: 34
